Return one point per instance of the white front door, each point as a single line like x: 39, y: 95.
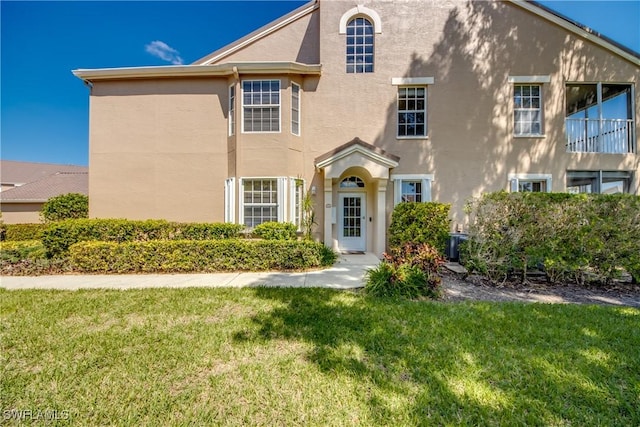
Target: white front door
x: 352, y: 222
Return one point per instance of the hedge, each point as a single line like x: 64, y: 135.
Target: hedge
x: 58, y: 237
x: 198, y: 256
x: 276, y: 231
x: 571, y: 237
x: 14, y: 251
x: 65, y: 206
x: 415, y: 223
x: 17, y: 232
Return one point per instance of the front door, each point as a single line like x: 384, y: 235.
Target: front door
x: 352, y: 222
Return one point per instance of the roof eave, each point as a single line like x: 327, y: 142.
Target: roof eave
x: 219, y: 70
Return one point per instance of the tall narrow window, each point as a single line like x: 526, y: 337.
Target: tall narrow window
x: 232, y: 110
x: 295, y: 109
x: 527, y: 110
x: 412, y: 111
x: 261, y: 105
x: 360, y: 42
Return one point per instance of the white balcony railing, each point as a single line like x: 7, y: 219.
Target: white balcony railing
x: 600, y: 136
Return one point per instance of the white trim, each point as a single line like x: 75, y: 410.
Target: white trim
x: 280, y: 180
x: 515, y: 178
x: 358, y: 149
x: 576, y: 30
x: 242, y: 106
x: 270, y: 28
x: 408, y: 81
x: 282, y: 198
x: 360, y: 10
x: 529, y: 79
x: 232, y: 109
x: 362, y: 239
x: 230, y: 200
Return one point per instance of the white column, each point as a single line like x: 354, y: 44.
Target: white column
x: 328, y: 207
x: 381, y: 219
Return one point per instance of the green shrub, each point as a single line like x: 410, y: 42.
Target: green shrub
x: 16, y: 232
x: 420, y: 223
x: 65, y: 206
x: 409, y: 271
x: 58, y: 237
x: 276, y: 231
x: 163, y: 256
x: 15, y: 251
x: 570, y: 237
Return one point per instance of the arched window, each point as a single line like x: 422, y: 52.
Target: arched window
x: 360, y: 45
x: 352, y: 182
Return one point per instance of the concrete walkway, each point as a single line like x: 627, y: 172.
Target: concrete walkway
x: 346, y: 273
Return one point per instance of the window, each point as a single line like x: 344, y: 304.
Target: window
x: 412, y: 112
x: 412, y: 188
x: 360, y: 40
x: 527, y: 111
x: 605, y: 182
x: 261, y: 105
x: 232, y: 110
x: 295, y: 109
x: 352, y: 182
x: 530, y: 183
x: 260, y: 201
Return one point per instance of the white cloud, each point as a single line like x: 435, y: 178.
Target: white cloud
x: 163, y: 51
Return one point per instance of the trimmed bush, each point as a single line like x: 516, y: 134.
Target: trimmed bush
x: 58, y: 237
x: 65, y: 206
x: 15, y: 251
x: 17, y: 232
x: 409, y: 271
x: 276, y: 231
x: 571, y: 237
x: 198, y: 256
x: 420, y: 223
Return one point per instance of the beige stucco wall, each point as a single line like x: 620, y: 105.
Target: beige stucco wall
x: 20, y: 213
x: 159, y: 148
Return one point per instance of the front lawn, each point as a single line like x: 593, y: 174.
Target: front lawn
x: 313, y: 357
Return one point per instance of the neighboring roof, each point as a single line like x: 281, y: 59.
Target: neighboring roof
x: 260, y: 33
x: 14, y: 172
x: 356, y: 144
x: 227, y: 69
x: 38, y: 182
x: 50, y: 186
x: 579, y: 29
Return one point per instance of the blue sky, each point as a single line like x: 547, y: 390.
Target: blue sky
x: 44, y: 108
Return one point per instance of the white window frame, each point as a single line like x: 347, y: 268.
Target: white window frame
x: 423, y: 111
x: 258, y: 106
x: 281, y: 196
x: 295, y: 108
x: 599, y: 177
x: 538, y: 81
x: 232, y: 110
x: 516, y: 179
x: 360, y: 41
x: 424, y: 179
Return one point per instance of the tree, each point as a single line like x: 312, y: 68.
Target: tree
x: 65, y: 206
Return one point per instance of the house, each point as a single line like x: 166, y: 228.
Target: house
x: 26, y: 186
x: 364, y: 105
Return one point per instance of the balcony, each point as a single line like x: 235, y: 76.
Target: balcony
x: 615, y: 136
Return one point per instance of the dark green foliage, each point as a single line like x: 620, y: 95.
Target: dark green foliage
x: 420, y: 223
x: 276, y: 231
x: 17, y: 232
x: 409, y: 271
x: 65, y: 206
x: 572, y: 237
x: 58, y: 237
x: 164, y: 256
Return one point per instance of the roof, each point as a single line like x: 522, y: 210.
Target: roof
x: 356, y: 144
x: 38, y: 182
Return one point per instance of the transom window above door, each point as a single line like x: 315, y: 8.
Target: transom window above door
x: 352, y: 182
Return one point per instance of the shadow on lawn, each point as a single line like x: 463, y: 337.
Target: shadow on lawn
x: 466, y: 363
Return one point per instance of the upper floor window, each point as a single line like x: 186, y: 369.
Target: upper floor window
x: 232, y: 110
x: 295, y: 109
x: 360, y: 41
x: 527, y: 109
x: 261, y: 105
x: 412, y: 112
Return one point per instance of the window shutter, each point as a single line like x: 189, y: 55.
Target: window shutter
x: 229, y: 200
x: 426, y: 190
x: 514, y: 185
x: 282, y: 199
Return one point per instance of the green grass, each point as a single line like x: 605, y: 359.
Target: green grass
x: 314, y: 357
